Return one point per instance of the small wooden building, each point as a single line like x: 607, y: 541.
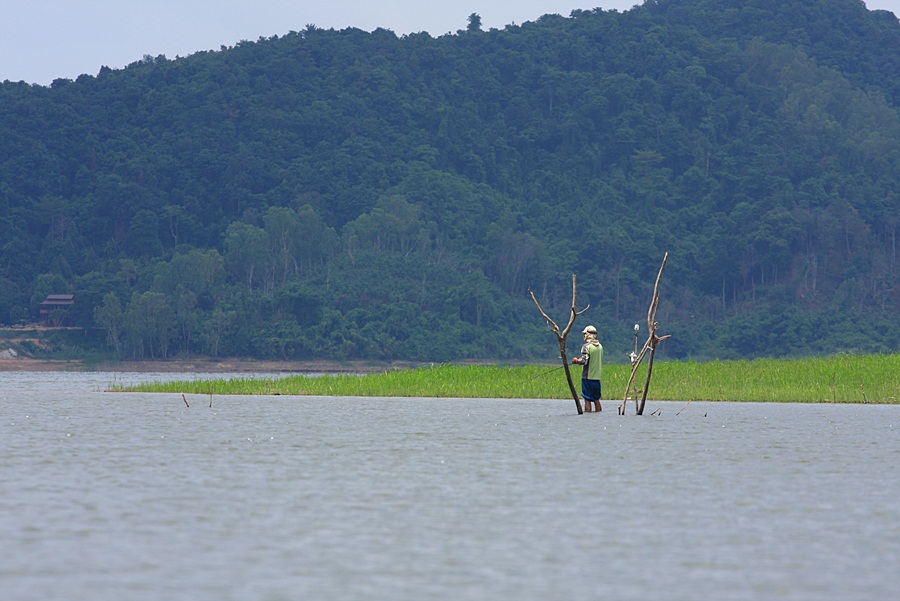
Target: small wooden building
x: 54, y: 309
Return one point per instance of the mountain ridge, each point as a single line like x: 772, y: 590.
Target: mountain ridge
x: 342, y: 193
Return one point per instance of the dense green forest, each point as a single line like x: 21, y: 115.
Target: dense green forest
x: 344, y: 194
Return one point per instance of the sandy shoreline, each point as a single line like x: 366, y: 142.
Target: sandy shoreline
x: 25, y: 364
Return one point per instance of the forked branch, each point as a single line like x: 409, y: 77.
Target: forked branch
x: 650, y: 346
x: 562, y: 334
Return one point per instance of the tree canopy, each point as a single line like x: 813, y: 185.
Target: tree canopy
x: 337, y: 194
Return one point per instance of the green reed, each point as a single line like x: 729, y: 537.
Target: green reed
x: 841, y: 378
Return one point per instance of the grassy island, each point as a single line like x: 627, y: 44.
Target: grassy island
x: 841, y: 379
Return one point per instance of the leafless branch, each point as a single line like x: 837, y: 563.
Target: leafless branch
x: 650, y: 345
x: 561, y: 335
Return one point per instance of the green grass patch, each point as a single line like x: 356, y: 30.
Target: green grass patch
x: 841, y: 378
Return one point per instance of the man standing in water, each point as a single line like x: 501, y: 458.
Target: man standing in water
x: 592, y: 360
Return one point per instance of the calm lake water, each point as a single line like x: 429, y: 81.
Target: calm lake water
x: 109, y: 496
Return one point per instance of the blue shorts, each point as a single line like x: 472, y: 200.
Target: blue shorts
x: 590, y: 390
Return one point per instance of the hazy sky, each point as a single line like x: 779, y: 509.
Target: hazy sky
x: 42, y: 40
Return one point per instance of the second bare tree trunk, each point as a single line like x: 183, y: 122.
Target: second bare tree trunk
x: 652, y: 342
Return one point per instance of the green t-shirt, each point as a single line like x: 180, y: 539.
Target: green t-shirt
x: 594, y: 355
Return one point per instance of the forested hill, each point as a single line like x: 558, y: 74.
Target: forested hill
x: 344, y: 194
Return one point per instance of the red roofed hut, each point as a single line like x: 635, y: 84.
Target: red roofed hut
x: 54, y: 309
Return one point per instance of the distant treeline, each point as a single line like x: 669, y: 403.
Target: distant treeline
x: 343, y: 194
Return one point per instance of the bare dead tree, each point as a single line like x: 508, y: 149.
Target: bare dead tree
x: 650, y: 346
x: 561, y: 337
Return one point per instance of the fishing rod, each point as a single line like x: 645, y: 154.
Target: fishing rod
x: 545, y: 372
x: 634, y: 355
